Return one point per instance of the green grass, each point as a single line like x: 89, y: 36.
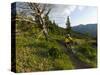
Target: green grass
x: 86, y: 53
x: 34, y: 55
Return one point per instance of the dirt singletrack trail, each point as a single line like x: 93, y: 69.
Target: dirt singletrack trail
x: 75, y: 60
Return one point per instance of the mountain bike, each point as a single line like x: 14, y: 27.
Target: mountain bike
x: 70, y: 47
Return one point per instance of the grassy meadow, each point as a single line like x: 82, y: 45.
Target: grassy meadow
x: 38, y: 54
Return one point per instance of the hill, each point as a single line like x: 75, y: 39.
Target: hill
x: 35, y: 53
x: 90, y: 29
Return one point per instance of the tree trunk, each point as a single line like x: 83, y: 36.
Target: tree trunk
x: 45, y: 32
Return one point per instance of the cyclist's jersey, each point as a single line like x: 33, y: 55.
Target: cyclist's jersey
x: 69, y: 39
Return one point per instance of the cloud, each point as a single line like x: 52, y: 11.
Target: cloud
x: 69, y: 10
x: 81, y: 7
x: 59, y: 13
x: 62, y: 10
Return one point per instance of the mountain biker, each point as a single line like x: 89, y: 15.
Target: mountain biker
x: 68, y: 40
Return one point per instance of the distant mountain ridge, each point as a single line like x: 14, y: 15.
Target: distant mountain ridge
x: 90, y: 29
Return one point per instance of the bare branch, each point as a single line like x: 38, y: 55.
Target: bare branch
x: 48, y: 12
x: 19, y: 18
x: 43, y: 9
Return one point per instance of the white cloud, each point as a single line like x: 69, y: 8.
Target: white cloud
x: 61, y: 12
x: 69, y: 10
x: 81, y: 7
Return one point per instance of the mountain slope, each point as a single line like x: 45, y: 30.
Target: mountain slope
x: 90, y: 29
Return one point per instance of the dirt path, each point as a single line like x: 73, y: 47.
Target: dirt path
x: 76, y: 62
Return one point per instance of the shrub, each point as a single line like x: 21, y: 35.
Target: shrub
x: 54, y: 52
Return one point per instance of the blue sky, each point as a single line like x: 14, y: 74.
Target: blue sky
x: 78, y: 14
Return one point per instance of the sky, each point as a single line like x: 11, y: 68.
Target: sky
x: 78, y: 14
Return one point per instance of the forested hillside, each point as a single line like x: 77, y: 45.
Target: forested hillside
x: 90, y: 29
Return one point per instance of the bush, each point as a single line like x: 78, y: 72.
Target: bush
x: 54, y: 52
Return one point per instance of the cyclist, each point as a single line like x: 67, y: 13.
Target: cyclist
x: 68, y: 40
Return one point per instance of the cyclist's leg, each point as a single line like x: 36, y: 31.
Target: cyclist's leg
x: 72, y: 47
x: 69, y: 47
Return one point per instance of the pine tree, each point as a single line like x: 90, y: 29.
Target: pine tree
x: 68, y: 26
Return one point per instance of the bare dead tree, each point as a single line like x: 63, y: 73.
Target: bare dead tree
x: 40, y: 13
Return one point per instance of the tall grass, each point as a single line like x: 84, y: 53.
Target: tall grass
x: 40, y: 55
x: 87, y: 53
